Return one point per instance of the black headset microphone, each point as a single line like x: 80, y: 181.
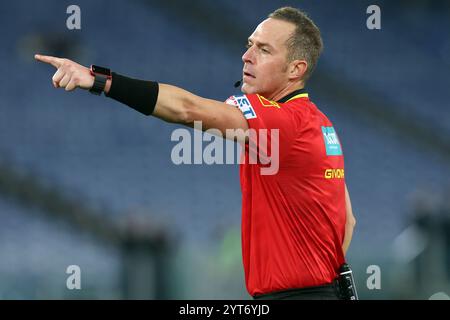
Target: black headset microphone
x: 238, y: 84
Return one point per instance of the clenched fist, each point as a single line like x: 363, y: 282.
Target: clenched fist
x: 70, y: 75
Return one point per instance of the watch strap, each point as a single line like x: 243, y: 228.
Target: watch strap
x: 99, y: 84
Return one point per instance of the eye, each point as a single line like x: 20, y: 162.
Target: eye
x: 264, y: 50
x: 248, y: 45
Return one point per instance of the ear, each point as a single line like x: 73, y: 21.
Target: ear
x: 297, y: 69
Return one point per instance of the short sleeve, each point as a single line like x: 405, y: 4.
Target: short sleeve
x: 275, y: 121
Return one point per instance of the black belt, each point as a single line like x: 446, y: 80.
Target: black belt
x: 323, y: 292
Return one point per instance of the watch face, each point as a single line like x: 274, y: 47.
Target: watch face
x: 101, y: 70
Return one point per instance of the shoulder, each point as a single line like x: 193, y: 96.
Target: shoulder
x: 245, y: 103
x: 253, y: 104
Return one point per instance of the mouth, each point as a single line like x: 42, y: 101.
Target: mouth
x: 248, y: 75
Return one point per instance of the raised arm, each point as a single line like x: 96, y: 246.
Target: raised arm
x: 178, y: 105
x: 173, y: 104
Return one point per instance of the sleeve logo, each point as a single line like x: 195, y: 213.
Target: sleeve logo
x: 243, y: 104
x: 332, y: 144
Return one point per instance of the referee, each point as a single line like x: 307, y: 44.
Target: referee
x: 297, y: 224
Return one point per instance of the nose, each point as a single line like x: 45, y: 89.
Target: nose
x: 248, y: 57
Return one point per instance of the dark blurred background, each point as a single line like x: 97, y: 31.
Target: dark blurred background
x: 87, y: 182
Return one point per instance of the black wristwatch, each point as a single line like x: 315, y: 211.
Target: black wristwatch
x: 101, y: 75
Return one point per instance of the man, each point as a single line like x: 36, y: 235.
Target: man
x: 297, y: 223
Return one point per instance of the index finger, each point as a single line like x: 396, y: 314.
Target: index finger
x: 54, y: 61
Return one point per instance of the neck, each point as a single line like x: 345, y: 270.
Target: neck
x: 291, y: 87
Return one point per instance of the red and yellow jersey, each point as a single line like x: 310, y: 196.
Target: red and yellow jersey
x: 293, y: 221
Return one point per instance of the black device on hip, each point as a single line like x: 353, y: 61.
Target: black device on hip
x: 346, y: 283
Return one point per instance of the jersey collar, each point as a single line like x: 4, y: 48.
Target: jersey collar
x: 301, y: 93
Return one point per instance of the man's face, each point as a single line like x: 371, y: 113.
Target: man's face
x: 265, y: 62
